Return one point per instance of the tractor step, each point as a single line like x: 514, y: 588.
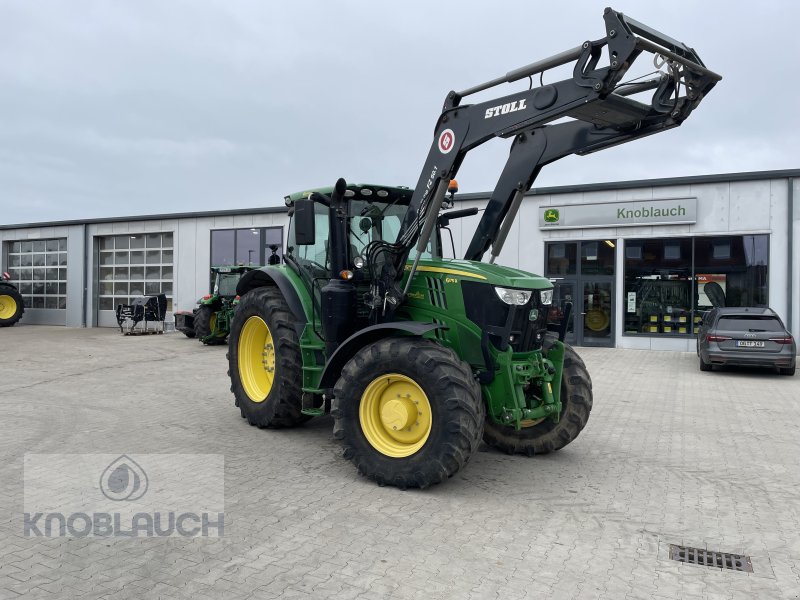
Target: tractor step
x: 307, y: 406
x: 312, y: 412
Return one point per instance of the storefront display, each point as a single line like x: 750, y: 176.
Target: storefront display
x: 671, y: 282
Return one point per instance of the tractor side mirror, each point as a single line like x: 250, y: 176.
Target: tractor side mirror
x: 304, y: 223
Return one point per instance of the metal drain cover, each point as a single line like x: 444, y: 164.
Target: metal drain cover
x: 711, y: 558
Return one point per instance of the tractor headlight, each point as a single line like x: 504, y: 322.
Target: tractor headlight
x: 358, y: 262
x: 546, y: 297
x: 509, y: 296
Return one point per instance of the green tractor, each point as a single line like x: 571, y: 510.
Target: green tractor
x: 418, y: 360
x: 210, y: 322
x: 12, y: 305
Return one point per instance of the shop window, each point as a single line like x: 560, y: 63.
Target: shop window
x: 223, y: 245
x: 658, y: 286
x: 670, y: 283
x: 273, y: 242
x: 732, y: 271
x: 561, y: 259
x: 597, y: 258
x: 247, y: 246
x: 721, y: 250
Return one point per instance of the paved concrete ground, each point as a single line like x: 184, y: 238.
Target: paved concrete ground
x: 670, y: 455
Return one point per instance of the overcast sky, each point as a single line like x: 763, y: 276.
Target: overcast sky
x: 151, y: 106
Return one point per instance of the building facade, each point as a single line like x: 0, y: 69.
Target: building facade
x: 640, y: 261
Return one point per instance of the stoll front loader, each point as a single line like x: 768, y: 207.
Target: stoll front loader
x: 417, y: 357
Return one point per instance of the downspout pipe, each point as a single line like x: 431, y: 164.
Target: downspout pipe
x: 790, y: 261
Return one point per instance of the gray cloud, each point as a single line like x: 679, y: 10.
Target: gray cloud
x: 152, y: 106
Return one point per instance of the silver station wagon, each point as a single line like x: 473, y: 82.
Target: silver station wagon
x: 745, y: 337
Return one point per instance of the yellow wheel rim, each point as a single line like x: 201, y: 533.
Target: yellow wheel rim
x: 8, y: 307
x: 256, y: 354
x: 395, y: 415
x: 212, y: 322
x: 597, y: 319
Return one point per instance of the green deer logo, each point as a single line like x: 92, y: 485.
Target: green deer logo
x: 551, y: 215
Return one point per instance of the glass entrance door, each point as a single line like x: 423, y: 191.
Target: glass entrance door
x: 583, y: 273
x: 596, y: 314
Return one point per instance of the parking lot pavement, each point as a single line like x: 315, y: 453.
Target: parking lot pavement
x: 670, y: 456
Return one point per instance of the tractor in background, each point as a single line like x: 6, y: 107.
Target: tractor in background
x: 210, y: 322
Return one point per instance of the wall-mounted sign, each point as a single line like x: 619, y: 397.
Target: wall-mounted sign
x: 619, y: 214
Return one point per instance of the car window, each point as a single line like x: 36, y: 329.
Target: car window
x: 749, y: 323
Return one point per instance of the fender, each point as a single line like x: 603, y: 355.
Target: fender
x: 358, y: 340
x: 267, y: 276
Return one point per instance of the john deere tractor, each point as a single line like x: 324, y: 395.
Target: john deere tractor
x: 12, y: 304
x: 417, y: 357
x: 210, y: 322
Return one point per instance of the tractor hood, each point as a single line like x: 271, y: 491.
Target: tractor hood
x: 496, y: 275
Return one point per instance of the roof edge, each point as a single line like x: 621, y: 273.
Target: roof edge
x: 561, y: 189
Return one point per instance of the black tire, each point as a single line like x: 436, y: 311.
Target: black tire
x: 19, y: 305
x: 202, y: 321
x: 546, y: 436
x: 786, y: 371
x: 188, y: 333
x: 704, y: 366
x: 281, y: 407
x: 203, y: 326
x: 456, y: 413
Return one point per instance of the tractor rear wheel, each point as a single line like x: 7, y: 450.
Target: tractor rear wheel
x: 541, y: 437
x: 205, y: 322
x: 264, y: 360
x: 12, y: 305
x: 202, y: 321
x: 408, y: 412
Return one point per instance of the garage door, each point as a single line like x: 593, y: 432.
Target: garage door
x: 39, y: 269
x: 129, y: 266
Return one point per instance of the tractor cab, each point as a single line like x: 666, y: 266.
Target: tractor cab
x: 374, y: 213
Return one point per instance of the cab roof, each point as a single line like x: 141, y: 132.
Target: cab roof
x: 360, y: 191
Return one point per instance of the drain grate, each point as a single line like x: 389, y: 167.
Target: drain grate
x: 710, y: 558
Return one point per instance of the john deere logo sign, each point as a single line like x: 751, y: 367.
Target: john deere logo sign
x: 551, y: 215
x: 619, y: 214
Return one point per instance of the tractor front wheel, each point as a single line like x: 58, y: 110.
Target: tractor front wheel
x: 11, y: 306
x: 408, y: 412
x: 264, y: 360
x: 543, y: 436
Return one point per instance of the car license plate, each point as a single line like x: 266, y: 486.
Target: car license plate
x: 749, y: 344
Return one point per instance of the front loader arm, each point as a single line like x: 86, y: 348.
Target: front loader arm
x: 602, y: 113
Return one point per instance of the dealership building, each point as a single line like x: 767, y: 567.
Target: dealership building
x: 639, y: 260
